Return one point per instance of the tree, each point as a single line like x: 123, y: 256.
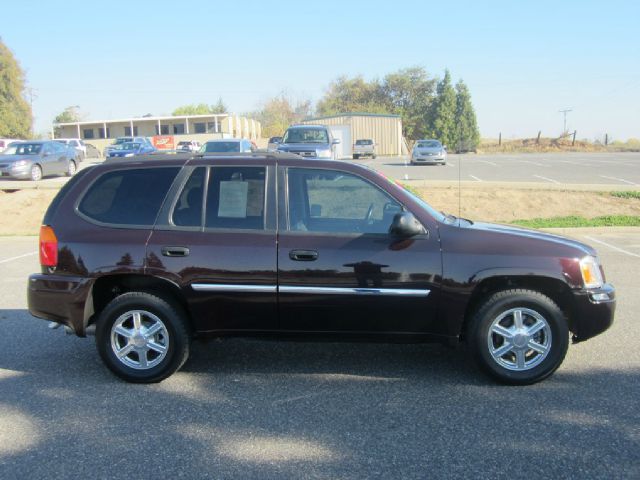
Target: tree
x: 467, y: 133
x: 410, y: 93
x: 352, y: 95
x: 443, y: 117
x: 279, y: 112
x: 201, y: 109
x: 15, y: 113
x: 68, y: 115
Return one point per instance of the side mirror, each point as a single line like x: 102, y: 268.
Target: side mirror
x: 405, y: 225
x: 336, y: 141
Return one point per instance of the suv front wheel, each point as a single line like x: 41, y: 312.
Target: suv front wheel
x: 519, y: 336
x: 142, y: 338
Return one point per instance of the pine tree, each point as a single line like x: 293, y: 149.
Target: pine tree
x: 15, y: 112
x: 443, y: 118
x: 467, y: 135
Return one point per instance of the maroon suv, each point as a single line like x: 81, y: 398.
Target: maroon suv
x: 148, y: 254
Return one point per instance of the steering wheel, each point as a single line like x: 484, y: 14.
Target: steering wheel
x: 369, y: 214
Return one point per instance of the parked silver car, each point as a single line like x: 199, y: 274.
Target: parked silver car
x: 364, y: 147
x: 34, y: 160
x: 429, y: 151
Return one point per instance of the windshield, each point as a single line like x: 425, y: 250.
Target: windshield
x: 306, y: 135
x: 220, y: 147
x: 429, y: 144
x: 128, y: 146
x: 364, y: 142
x: 120, y: 141
x: 27, y: 148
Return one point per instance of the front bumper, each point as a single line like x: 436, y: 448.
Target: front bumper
x: 20, y: 173
x: 593, y: 312
x: 429, y: 159
x: 61, y: 298
x: 363, y: 153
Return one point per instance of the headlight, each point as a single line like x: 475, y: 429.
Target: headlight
x: 590, y: 270
x: 20, y: 163
x: 128, y: 154
x: 323, y: 153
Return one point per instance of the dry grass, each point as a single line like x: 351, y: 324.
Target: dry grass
x: 551, y: 145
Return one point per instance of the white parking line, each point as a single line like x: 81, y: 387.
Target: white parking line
x: 619, y: 180
x: 613, y: 247
x: 6, y: 260
x: 547, y: 179
x: 475, y: 178
x: 490, y: 163
x: 534, y: 163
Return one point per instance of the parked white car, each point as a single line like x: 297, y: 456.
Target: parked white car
x: 188, y: 146
x: 76, y: 143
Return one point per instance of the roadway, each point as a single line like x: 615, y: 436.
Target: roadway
x: 571, y: 170
x: 265, y: 409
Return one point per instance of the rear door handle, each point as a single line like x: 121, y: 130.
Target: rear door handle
x: 303, y: 255
x: 175, y: 251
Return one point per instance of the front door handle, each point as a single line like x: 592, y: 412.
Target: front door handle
x: 303, y: 255
x: 175, y: 251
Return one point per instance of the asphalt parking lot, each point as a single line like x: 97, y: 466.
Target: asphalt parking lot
x: 265, y: 409
x: 601, y: 170
x: 616, y: 169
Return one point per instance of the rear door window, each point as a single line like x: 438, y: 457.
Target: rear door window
x: 236, y: 198
x: 128, y: 197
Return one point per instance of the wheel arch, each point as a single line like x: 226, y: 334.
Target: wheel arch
x: 108, y: 287
x: 554, y: 288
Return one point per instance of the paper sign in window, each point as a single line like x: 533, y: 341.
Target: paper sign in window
x: 233, y: 199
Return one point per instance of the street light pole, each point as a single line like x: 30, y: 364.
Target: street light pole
x: 565, y: 111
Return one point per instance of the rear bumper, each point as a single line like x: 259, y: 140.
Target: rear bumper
x: 593, y: 312
x: 61, y: 299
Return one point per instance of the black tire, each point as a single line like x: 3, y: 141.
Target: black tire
x: 373, y: 157
x: 505, y: 368
x: 36, y: 173
x: 72, y: 168
x: 177, y: 339
x: 356, y: 157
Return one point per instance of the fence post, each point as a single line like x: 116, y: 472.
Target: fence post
x: 606, y: 139
x: 538, y: 139
x: 500, y: 139
x: 573, y: 142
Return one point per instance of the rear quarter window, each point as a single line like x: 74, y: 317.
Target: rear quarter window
x: 128, y: 197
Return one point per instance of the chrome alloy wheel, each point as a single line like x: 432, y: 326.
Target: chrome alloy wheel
x: 139, y: 339
x: 519, y: 339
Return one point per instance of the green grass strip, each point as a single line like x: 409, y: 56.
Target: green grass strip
x: 575, y: 221
x: 627, y: 194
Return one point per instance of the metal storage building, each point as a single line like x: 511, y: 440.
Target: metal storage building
x: 384, y: 130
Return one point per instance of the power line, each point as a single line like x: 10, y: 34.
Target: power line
x: 565, y: 111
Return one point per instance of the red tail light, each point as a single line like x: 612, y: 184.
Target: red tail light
x: 48, y: 247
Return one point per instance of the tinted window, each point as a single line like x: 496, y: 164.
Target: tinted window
x: 235, y: 198
x: 188, y: 209
x: 128, y: 197
x: 337, y: 202
x: 429, y: 144
x: 364, y: 142
x: 306, y: 135
x: 221, y: 147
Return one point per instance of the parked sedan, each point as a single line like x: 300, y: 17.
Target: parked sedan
x: 429, y: 151
x: 129, y: 149
x: 34, y: 160
x: 188, y: 146
x: 228, y: 145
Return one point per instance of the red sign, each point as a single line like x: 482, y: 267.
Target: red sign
x: 164, y: 142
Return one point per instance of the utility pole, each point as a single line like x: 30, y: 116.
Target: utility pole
x: 31, y: 93
x: 565, y: 111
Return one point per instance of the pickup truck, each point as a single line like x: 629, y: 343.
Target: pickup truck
x: 364, y: 148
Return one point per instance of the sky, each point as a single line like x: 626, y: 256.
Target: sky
x: 522, y: 61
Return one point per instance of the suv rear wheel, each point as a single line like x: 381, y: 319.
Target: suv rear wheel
x: 142, y: 338
x: 519, y: 336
